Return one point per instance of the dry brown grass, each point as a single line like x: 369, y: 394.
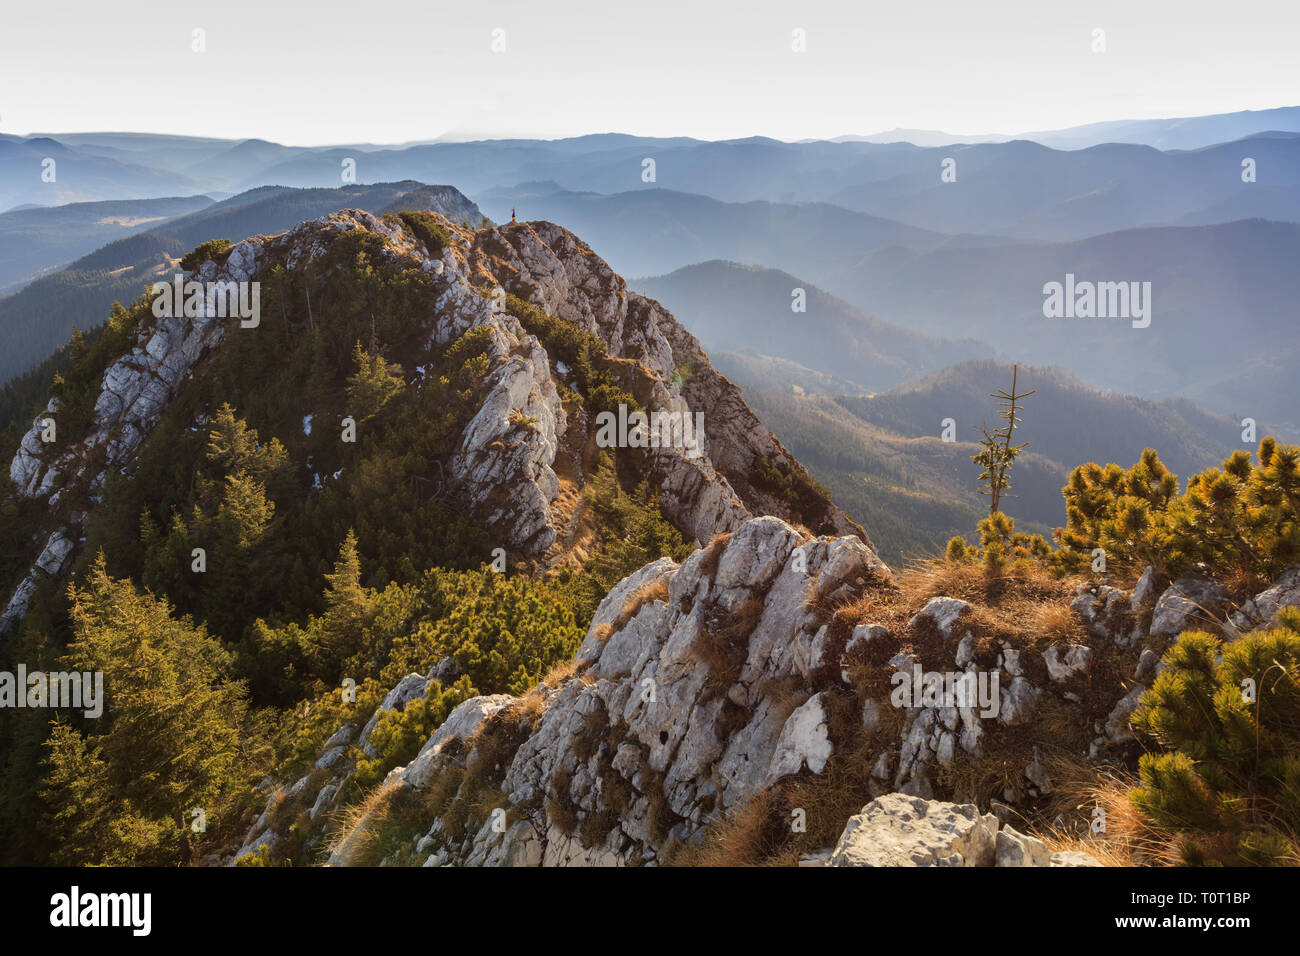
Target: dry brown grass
x: 722, y: 644
x: 1057, y: 622
x: 560, y: 673
x: 1127, y: 840
x: 364, y: 836
x: 1242, y: 583
x: 751, y: 836
x: 656, y: 590
x: 1028, y: 609
x: 713, y: 555
x: 532, y: 706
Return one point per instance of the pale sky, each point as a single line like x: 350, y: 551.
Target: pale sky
x: 386, y: 72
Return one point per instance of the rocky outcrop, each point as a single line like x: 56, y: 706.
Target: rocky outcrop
x: 694, y: 689
x: 134, y: 393
x: 1263, y: 608
x: 1190, y: 603
x: 548, y: 266
x: 701, y: 685
x: 504, y: 467
x: 900, y: 830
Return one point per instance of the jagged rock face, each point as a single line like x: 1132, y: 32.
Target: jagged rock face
x: 503, y: 471
x: 134, y: 393
x: 548, y: 266
x: 648, y: 712
x: 651, y: 740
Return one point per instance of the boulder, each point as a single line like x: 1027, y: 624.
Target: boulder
x: 898, y: 830
x: 1014, y: 848
x: 1065, y: 663
x: 1117, y: 724
x: 1190, y: 603
x: 945, y: 612
x: 1263, y: 608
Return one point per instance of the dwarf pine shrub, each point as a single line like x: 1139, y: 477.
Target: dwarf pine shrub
x: 1226, y: 789
x: 1238, y: 518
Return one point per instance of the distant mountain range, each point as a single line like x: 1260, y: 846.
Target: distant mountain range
x: 1224, y: 297
x: 884, y: 461
x: 1188, y: 132
x: 734, y: 308
x: 37, y: 239
x: 41, y: 317
x: 1223, y: 305
x: 1038, y: 186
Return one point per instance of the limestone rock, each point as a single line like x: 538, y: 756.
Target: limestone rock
x: 1117, y: 724
x: 944, y: 612
x: 1145, y: 591
x: 1018, y: 849
x: 804, y: 741
x: 1067, y: 662
x: 897, y: 830
x: 1189, y: 603
x: 1074, y: 858
x: 1262, y: 609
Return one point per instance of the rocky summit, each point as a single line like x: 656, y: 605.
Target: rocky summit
x: 464, y: 554
x: 505, y: 475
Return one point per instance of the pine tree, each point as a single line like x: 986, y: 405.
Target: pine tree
x: 175, y: 733
x: 373, y: 385
x: 1227, y: 788
x: 997, y: 453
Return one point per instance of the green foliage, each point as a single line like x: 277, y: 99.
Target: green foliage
x: 203, y: 252
x: 38, y: 319
x: 958, y: 550
x: 175, y: 735
x: 634, y: 532
x: 788, y: 481
x: 428, y: 230
x: 79, y: 388
x: 583, y: 352
x: 1001, y: 545
x: 398, y: 735
x: 320, y: 560
x: 374, y: 384
x: 503, y: 633
x: 260, y: 858
x: 268, y: 512
x: 301, y: 735
x: 1240, y: 518
x: 1227, y: 789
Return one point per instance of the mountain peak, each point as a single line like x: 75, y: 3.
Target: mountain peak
x: 552, y: 319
